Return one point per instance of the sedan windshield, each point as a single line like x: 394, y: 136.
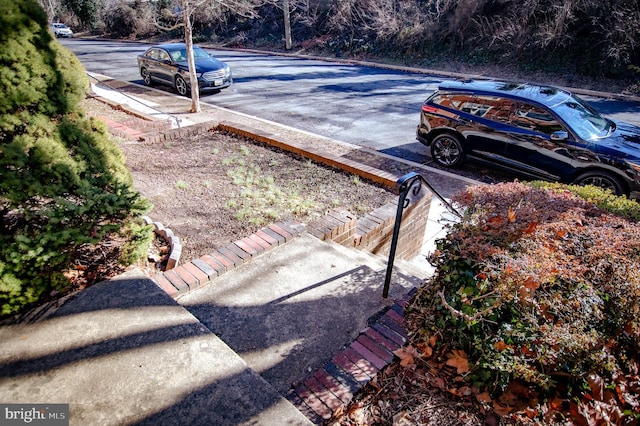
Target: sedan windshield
x: 582, y: 118
x: 181, y: 54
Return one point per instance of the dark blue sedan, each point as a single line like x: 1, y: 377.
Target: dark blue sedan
x: 540, y: 132
x: 167, y: 64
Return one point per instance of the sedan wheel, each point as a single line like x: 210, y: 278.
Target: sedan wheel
x: 181, y: 86
x: 146, y: 77
x: 603, y: 180
x: 447, y: 150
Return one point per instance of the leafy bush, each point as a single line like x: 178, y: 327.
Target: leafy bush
x: 541, y: 287
x: 63, y: 182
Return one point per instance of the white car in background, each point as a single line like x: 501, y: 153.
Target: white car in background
x: 61, y: 30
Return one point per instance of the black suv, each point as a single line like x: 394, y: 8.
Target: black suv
x: 540, y: 132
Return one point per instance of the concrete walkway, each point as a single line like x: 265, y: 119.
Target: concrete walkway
x: 123, y: 352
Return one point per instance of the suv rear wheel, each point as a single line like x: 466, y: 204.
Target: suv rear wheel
x: 447, y: 150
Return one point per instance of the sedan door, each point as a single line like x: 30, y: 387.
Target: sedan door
x: 151, y: 62
x: 164, y: 67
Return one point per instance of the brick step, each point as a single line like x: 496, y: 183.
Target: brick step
x: 329, y: 389
x: 146, y: 125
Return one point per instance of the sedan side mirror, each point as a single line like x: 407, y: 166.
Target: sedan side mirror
x: 560, y: 135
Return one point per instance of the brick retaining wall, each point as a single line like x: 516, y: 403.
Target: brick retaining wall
x: 374, y: 231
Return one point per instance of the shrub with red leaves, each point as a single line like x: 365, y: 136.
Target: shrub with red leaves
x: 540, y: 288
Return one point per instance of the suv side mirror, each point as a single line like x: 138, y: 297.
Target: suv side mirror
x: 560, y: 135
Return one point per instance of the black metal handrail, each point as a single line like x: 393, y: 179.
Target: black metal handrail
x: 407, y: 183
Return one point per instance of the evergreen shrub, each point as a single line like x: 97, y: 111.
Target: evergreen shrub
x: 63, y: 182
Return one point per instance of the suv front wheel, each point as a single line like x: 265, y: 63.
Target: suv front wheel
x: 447, y: 150
x: 601, y: 179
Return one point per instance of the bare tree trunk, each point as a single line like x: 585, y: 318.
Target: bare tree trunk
x: 51, y: 11
x: 287, y: 24
x: 188, y: 37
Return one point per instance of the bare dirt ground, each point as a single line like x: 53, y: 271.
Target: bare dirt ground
x: 215, y: 188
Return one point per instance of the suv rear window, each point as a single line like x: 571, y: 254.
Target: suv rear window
x: 490, y: 107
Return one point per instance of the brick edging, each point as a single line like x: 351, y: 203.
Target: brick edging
x: 172, y: 239
x: 330, y: 388
x: 178, y: 133
x: 365, y: 171
x: 199, y: 272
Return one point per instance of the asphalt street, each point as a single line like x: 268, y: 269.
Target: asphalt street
x: 369, y: 106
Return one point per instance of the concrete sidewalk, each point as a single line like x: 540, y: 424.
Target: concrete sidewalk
x: 297, y: 330
x: 123, y: 352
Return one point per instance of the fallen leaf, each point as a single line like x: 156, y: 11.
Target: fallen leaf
x: 507, y: 398
x: 433, y: 340
x: 437, y: 382
x: 494, y: 221
x: 531, y: 228
x: 596, y: 384
x: 455, y: 392
x: 374, y: 382
x: 358, y: 415
x: 403, y: 419
x: 531, y: 413
x: 500, y: 409
x: 526, y: 351
x: 425, y: 349
x: 458, y: 360
x: 531, y: 284
x: 407, y: 355
x: 466, y: 390
x: 556, y: 404
x: 484, y: 397
x: 511, y: 215
x: 500, y: 346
